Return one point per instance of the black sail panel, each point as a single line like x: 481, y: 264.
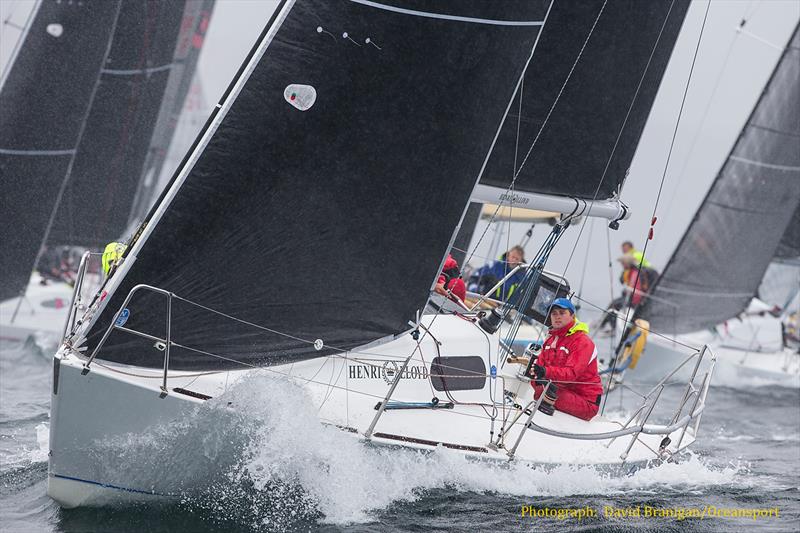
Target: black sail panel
x: 789, y: 247
x: 595, y: 103
x: 43, y: 102
x: 720, y: 262
x: 112, y: 151
x: 465, y: 232
x: 330, y: 222
x: 196, y: 18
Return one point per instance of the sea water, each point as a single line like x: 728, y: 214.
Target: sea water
x: 273, y: 468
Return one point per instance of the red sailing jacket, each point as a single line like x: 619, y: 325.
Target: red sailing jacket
x: 449, y: 278
x: 570, y: 361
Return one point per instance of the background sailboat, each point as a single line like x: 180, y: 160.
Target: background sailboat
x: 719, y: 264
x: 115, y: 89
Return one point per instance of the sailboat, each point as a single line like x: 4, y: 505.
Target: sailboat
x: 114, y: 73
x: 748, y: 220
x: 304, y: 232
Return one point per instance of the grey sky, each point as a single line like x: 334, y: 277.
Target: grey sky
x: 236, y: 24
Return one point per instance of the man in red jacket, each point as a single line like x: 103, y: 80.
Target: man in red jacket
x: 450, y: 280
x: 569, y: 360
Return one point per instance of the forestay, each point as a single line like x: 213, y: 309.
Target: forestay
x: 44, y: 100
x: 322, y: 196
x: 721, y: 259
x: 579, y: 142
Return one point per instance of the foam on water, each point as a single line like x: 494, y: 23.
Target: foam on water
x: 308, y: 470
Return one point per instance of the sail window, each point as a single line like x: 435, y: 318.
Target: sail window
x: 56, y: 30
x: 301, y: 97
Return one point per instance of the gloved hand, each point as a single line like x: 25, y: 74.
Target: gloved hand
x: 538, y: 370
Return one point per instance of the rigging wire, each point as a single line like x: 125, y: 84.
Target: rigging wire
x: 654, y: 218
x: 586, y: 258
x: 709, y: 104
x: 68, y: 172
x: 544, y: 122
x: 610, y: 286
x: 23, y: 28
x: 622, y: 129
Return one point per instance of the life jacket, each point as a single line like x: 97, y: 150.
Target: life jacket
x: 646, y: 278
x: 640, y: 260
x: 111, y: 255
x: 509, y: 285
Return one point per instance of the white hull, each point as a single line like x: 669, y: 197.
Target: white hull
x: 742, y: 360
x: 98, y: 419
x: 40, y: 315
x: 734, y: 368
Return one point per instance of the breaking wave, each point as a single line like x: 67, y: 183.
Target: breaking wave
x: 294, y: 470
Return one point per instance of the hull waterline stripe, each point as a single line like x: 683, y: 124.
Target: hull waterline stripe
x: 7, y: 151
x: 449, y: 17
x: 433, y: 443
x: 109, y: 486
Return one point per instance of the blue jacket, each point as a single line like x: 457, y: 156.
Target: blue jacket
x: 488, y: 275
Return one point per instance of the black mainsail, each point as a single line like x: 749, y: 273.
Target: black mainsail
x: 44, y: 100
x: 146, y: 49
x: 735, y: 234
x: 623, y: 49
x: 322, y: 195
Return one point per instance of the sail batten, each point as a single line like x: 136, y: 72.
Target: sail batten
x: 750, y: 209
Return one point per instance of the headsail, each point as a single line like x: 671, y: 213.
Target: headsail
x: 196, y: 17
x: 789, y: 247
x: 586, y: 146
x: 782, y: 279
x: 718, y: 265
x: 322, y: 195
x: 43, y: 103
x: 146, y: 48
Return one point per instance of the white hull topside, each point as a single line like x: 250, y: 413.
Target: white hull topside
x: 96, y: 417
x: 749, y: 353
x: 41, y: 313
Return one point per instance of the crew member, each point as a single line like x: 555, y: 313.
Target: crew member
x: 487, y: 276
x: 628, y: 249
x: 450, y: 280
x: 569, y: 360
x: 111, y: 256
